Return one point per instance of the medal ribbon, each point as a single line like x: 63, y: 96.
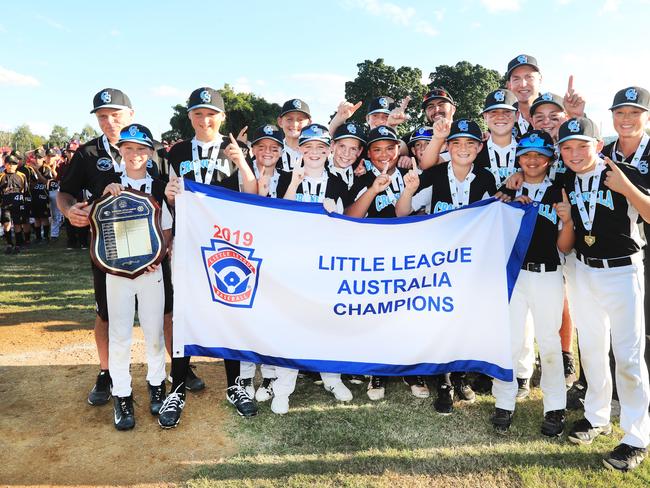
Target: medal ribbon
x: 588, y: 218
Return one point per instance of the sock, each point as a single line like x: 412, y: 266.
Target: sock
x: 232, y: 371
x: 180, y: 366
x: 19, y: 239
x: 37, y: 233
x: 28, y: 234
x: 8, y: 237
x: 46, y: 232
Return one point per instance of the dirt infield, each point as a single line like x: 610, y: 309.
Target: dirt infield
x: 49, y: 435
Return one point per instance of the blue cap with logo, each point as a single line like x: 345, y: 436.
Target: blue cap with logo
x: 536, y: 141
x: 315, y: 132
x: 422, y: 133
x: 136, y: 133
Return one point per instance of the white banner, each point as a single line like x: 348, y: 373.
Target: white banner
x: 284, y: 283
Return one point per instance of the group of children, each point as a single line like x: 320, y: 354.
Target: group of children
x: 584, y: 261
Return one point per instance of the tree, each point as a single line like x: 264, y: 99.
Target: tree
x: 88, y: 133
x: 242, y: 109
x: 469, y: 84
x: 375, y: 78
x: 59, y: 136
x: 5, y: 138
x: 23, y: 139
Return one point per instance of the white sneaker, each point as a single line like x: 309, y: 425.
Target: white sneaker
x: 247, y: 383
x: 265, y: 391
x: 340, y: 391
x: 376, y: 388
x: 419, y: 388
x: 280, y: 405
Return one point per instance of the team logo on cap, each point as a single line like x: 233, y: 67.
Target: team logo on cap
x: 133, y: 130
x: 352, y: 129
x: 296, y: 104
x: 500, y: 96
x: 104, y: 164
x: 268, y: 130
x: 573, y: 126
x: 533, y: 137
x: 522, y: 59
x: 463, y: 126
x: 383, y: 102
x: 205, y: 96
x: 105, y: 97
x: 383, y: 131
x: 421, y: 130
x: 317, y: 131
x: 547, y: 97
x: 631, y: 94
x: 232, y: 273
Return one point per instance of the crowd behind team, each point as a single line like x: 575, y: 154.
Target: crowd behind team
x: 584, y: 269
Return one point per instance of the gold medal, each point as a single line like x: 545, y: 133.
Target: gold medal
x: 590, y: 240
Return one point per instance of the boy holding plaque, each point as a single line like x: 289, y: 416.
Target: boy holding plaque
x: 136, y: 148
x: 606, y: 200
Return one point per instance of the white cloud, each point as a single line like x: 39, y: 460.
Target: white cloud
x: 9, y: 77
x: 404, y: 16
x: 168, y: 91
x: 609, y: 6
x: 502, y: 5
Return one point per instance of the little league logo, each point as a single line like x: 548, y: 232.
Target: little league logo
x: 232, y: 272
x: 499, y: 96
x: 205, y: 96
x: 631, y: 94
x: 106, y: 97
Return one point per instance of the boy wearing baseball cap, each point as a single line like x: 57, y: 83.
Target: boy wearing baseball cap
x: 606, y: 200
x: 13, y: 186
x: 294, y: 117
x: 539, y: 288
x: 439, y: 108
x: 348, y: 143
x: 40, y: 197
x: 136, y: 148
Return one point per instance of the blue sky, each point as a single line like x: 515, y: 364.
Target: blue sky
x: 57, y: 55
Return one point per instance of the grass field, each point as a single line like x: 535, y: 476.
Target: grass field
x: 396, y: 442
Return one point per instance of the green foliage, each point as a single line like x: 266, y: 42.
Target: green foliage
x: 23, y: 139
x: 88, y: 133
x: 469, y: 84
x: 58, y: 137
x: 375, y: 78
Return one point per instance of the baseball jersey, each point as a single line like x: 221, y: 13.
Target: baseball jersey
x: 40, y: 190
x: 639, y: 159
x: 316, y: 190
x: 273, y: 181
x: 346, y: 174
x: 383, y: 206
x: 500, y: 161
x: 614, y: 232
x: 289, y: 158
x: 444, y: 192
x: 521, y: 127
x: 12, y: 188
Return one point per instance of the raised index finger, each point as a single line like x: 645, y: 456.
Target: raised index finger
x: 569, y: 88
x: 232, y: 139
x: 405, y: 102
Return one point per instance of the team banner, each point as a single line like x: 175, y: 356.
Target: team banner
x: 285, y: 283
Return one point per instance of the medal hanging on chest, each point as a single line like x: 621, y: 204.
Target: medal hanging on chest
x: 494, y: 165
x: 198, y: 162
x: 535, y: 192
x: 311, y: 196
x: 587, y: 216
x: 459, y: 195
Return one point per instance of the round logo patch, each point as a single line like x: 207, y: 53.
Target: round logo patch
x: 104, y: 164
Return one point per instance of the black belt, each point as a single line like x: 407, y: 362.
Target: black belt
x: 539, y: 267
x: 604, y: 263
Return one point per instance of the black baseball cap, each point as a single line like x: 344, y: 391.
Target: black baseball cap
x: 17, y: 154
x: 350, y: 130
x: 500, y: 98
x: 295, y: 105
x: 39, y: 154
x: 137, y: 133
x: 437, y: 93
x: 270, y: 132
x: 580, y: 128
x: 315, y: 132
x: 110, y: 98
x: 382, y: 133
x: 52, y: 152
x: 522, y: 60
x: 465, y: 128
x: 382, y: 105
x: 206, y: 97
x: 422, y: 133
x: 11, y: 159
x: 547, y: 97
x: 536, y: 141
x: 633, y: 96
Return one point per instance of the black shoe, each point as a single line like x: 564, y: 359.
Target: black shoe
x: 575, y: 396
x: 524, y: 388
x: 501, y: 420
x: 247, y: 383
x: 444, y: 402
x: 315, y: 377
x: 245, y: 405
x: 625, y: 457
x: 101, y: 392
x: 553, y: 424
x: 463, y: 391
x: 16, y: 250
x: 569, y: 369
x: 482, y: 384
x: 171, y: 409
x: 9, y: 249
x: 123, y: 411
x: 192, y: 382
x: 156, y: 397
x: 584, y: 433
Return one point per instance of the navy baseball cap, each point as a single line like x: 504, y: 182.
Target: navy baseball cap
x: 350, y: 130
x: 437, y: 93
x: 544, y: 98
x: 633, y: 96
x: 382, y: 133
x: 382, y: 105
x: 136, y: 133
x: 39, y: 153
x: 295, y: 105
x: 521, y: 60
x: 500, y: 98
x: 110, y: 98
x: 315, y: 132
x: 270, y: 132
x: 206, y: 97
x: 465, y: 128
x: 536, y: 141
x: 422, y: 133
x: 580, y: 128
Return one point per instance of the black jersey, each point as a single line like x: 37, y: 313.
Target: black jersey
x: 506, y: 163
x: 639, y: 161
x: 13, y: 187
x: 559, y: 172
x: 436, y: 181
x: 543, y: 243
x: 614, y: 227
x: 224, y: 172
x: 521, y: 127
x: 312, y: 190
x: 40, y: 190
x: 346, y: 174
x: 383, y: 206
